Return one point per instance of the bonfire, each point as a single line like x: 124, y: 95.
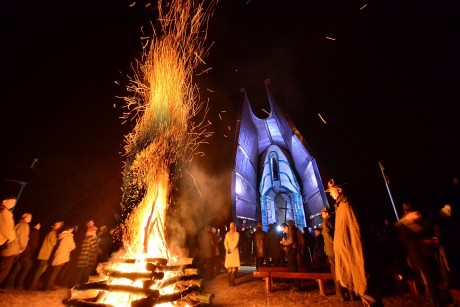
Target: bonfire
x: 164, y: 103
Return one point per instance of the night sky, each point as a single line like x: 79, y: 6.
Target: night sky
x: 384, y: 75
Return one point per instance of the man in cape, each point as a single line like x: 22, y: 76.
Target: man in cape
x: 348, y: 247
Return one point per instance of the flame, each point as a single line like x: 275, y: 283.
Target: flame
x: 164, y: 101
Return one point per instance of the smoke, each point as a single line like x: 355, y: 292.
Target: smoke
x: 201, y: 198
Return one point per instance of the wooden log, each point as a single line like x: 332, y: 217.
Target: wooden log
x: 173, y: 280
x: 134, y: 275
x: 118, y: 288
x: 202, y: 297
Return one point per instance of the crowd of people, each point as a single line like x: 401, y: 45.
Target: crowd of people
x: 63, y: 257
x: 418, y: 249
x: 418, y: 246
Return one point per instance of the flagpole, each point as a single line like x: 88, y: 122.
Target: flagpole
x: 388, y: 189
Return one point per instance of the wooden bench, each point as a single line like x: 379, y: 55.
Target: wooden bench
x: 269, y: 273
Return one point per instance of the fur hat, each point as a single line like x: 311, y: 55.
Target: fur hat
x: 331, y: 185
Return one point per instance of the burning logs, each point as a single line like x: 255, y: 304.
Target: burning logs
x: 128, y: 286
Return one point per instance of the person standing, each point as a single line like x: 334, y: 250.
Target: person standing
x: 7, y: 221
x: 348, y: 248
x: 232, y: 256
x: 66, y: 244
x: 259, y: 245
x: 309, y: 240
x: 88, y: 256
x: 273, y: 244
x: 417, y: 237
x: 328, y: 234
x: 319, y: 255
x: 45, y: 252
x: 14, y: 248
x: 289, y: 247
x: 205, y: 242
x: 216, y: 241
x: 25, y: 262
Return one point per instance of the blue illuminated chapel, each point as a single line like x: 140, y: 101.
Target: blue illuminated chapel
x: 275, y: 177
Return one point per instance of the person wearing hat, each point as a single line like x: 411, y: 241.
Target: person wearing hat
x: 259, y: 245
x: 348, y: 247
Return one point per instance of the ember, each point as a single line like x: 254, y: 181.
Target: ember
x: 164, y: 101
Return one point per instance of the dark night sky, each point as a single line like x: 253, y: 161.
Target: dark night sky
x: 388, y: 87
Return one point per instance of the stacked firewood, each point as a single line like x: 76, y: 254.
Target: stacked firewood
x: 183, y: 278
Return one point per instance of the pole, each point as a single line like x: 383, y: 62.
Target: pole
x: 23, y: 184
x: 388, y: 189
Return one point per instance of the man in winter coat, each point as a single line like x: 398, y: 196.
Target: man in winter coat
x: 66, y: 244
x: 273, y: 243
x: 328, y: 234
x: 26, y: 260
x: 88, y: 255
x: 47, y: 248
x: 259, y: 245
x: 14, y: 248
x: 289, y: 245
x: 7, y: 221
x: 205, y: 241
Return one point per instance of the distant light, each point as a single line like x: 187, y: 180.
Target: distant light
x: 279, y: 228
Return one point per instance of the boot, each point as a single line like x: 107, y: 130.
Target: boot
x: 233, y: 278
x: 230, y: 280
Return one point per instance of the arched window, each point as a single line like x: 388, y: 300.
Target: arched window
x: 274, y: 165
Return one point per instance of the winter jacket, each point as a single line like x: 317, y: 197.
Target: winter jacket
x: 7, y: 233
x: 19, y: 245
x: 65, y: 246
x: 259, y: 243
x: 48, y: 245
x: 89, y: 250
x: 328, y: 234
x: 32, y: 244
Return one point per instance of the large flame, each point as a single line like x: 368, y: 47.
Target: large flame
x: 164, y: 101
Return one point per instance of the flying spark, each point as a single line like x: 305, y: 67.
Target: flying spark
x: 330, y: 38
x: 363, y: 6
x: 322, y: 118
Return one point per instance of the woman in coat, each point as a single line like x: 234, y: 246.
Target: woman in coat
x: 232, y: 255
